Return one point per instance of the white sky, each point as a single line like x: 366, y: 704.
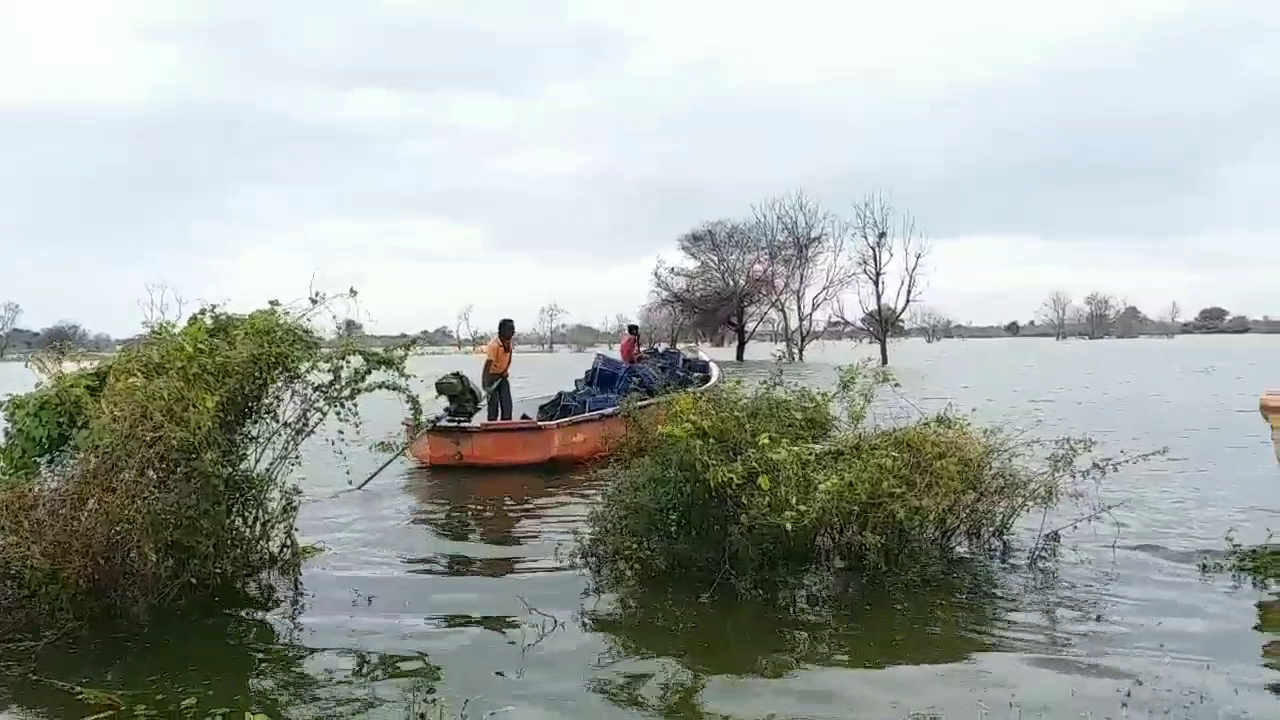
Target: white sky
x: 513, y: 154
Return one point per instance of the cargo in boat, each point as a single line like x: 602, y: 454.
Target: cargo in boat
x: 573, y: 426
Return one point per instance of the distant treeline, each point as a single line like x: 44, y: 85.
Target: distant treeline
x: 1099, y: 316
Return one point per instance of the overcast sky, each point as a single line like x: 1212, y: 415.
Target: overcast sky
x: 513, y: 153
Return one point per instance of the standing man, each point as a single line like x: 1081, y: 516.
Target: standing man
x: 630, y: 348
x: 497, y: 363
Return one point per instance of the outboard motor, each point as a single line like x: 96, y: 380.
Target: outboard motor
x: 464, y: 397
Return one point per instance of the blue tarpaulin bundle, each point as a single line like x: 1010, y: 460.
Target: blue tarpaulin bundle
x: 609, y: 380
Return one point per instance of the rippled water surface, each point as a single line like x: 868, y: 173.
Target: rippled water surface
x: 453, y: 582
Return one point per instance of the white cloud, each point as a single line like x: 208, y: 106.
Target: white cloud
x: 992, y: 279
x: 511, y: 154
x: 407, y: 295
x: 69, y: 52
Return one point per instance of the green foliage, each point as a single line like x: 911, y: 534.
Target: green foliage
x: 41, y: 426
x: 761, y: 485
x: 1258, y: 565
x: 162, y: 476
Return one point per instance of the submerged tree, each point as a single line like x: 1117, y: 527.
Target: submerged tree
x: 932, y: 324
x: 887, y: 250
x: 1055, y: 312
x: 725, y: 282
x: 1100, y: 312
x: 548, y: 323
x: 662, y: 321
x: 761, y: 490
x: 64, y: 335
x: 1171, y: 317
x: 163, y: 477
x: 810, y: 265
x: 1130, y: 322
x: 462, y: 329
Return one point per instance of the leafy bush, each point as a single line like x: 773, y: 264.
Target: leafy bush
x: 761, y: 485
x: 161, y: 477
x: 1258, y: 565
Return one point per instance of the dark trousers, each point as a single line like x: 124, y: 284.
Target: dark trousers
x: 500, y: 400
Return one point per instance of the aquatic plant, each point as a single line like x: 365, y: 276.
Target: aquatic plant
x: 1258, y: 565
x: 161, y: 477
x: 756, y: 486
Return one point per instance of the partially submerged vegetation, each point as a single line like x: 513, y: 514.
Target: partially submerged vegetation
x: 1258, y: 565
x: 756, y: 486
x: 161, y: 478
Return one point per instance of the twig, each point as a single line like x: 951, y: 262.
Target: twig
x: 1057, y: 532
x: 543, y: 632
x: 430, y: 424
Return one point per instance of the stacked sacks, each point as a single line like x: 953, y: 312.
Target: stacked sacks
x: 609, y: 380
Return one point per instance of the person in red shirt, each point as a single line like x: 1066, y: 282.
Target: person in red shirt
x: 630, y: 348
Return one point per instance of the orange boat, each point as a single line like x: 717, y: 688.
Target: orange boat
x: 1269, y: 406
x: 512, y: 443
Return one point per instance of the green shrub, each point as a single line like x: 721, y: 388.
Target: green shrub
x: 162, y: 477
x: 761, y: 485
x: 1258, y: 565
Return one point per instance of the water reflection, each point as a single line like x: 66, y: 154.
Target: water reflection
x: 941, y: 622
x: 227, y: 662
x: 517, y: 516
x: 945, y: 621
x: 1269, y: 623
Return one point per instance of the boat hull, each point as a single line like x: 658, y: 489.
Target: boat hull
x: 1269, y: 406
x: 518, y: 443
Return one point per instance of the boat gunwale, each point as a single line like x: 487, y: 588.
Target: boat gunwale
x: 518, y: 425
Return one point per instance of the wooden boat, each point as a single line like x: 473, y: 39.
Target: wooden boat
x: 1269, y: 406
x: 513, y: 443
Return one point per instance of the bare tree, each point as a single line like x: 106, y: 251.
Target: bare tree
x: 887, y: 252
x: 1079, y: 321
x: 162, y: 305
x: 1055, y: 312
x: 613, y: 329
x: 662, y: 321
x: 1100, y: 312
x: 810, y: 265
x: 548, y: 322
x: 1170, y: 319
x: 462, y: 329
x: 724, y: 285
x: 9, y: 314
x: 931, y: 323
x: 607, y: 332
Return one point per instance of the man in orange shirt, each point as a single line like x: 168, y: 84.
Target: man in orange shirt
x: 497, y: 363
x: 630, y: 347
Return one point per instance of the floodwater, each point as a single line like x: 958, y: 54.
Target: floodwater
x: 453, y: 584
